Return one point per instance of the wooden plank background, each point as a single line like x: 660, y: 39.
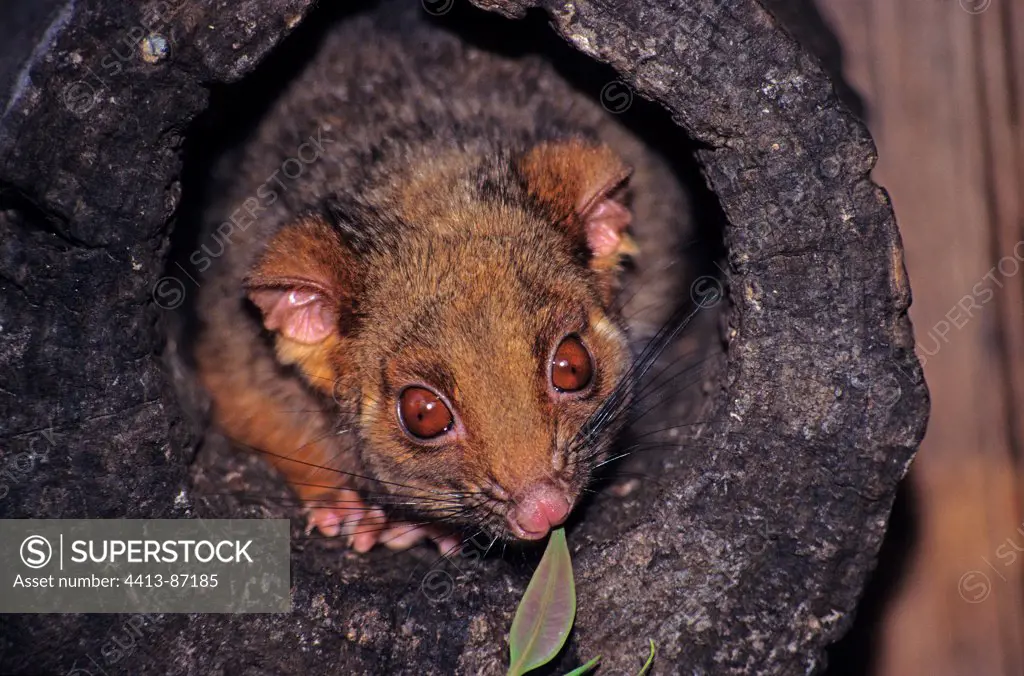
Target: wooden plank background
x: 943, y: 84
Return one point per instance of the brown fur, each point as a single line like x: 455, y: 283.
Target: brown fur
x: 457, y: 265
x: 566, y: 177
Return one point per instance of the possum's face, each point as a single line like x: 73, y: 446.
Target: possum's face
x: 474, y: 403
x: 474, y: 345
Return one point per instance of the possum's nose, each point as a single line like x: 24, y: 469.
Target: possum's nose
x: 537, y: 511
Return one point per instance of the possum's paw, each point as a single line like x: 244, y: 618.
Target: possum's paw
x: 401, y: 535
x: 365, y: 529
x: 364, y: 526
x: 345, y: 513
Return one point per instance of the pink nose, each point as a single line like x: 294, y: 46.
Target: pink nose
x: 539, y: 510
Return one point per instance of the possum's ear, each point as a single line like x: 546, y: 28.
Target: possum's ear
x: 576, y: 183
x: 305, y: 282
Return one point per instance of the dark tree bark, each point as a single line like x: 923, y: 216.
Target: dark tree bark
x: 751, y: 557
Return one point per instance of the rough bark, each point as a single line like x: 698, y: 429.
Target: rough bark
x: 751, y: 557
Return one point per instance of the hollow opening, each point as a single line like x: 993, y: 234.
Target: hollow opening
x: 678, y: 267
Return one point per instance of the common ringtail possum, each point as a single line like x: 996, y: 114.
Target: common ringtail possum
x: 413, y: 312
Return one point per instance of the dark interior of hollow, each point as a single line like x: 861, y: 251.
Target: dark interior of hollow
x: 235, y: 109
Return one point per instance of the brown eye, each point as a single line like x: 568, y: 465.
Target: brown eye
x: 571, y: 367
x: 423, y: 414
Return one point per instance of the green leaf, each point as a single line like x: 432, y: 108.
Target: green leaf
x: 546, y: 611
x: 579, y: 671
x: 650, y: 660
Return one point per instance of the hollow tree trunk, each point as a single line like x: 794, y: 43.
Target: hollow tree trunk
x: 751, y: 559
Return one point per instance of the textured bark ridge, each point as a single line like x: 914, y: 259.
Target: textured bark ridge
x: 750, y: 556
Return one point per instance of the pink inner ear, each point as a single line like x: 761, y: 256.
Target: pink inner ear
x: 299, y: 314
x: 605, y: 223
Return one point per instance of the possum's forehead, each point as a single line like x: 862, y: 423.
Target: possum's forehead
x: 470, y: 287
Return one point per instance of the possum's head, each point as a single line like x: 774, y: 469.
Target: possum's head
x: 464, y: 322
